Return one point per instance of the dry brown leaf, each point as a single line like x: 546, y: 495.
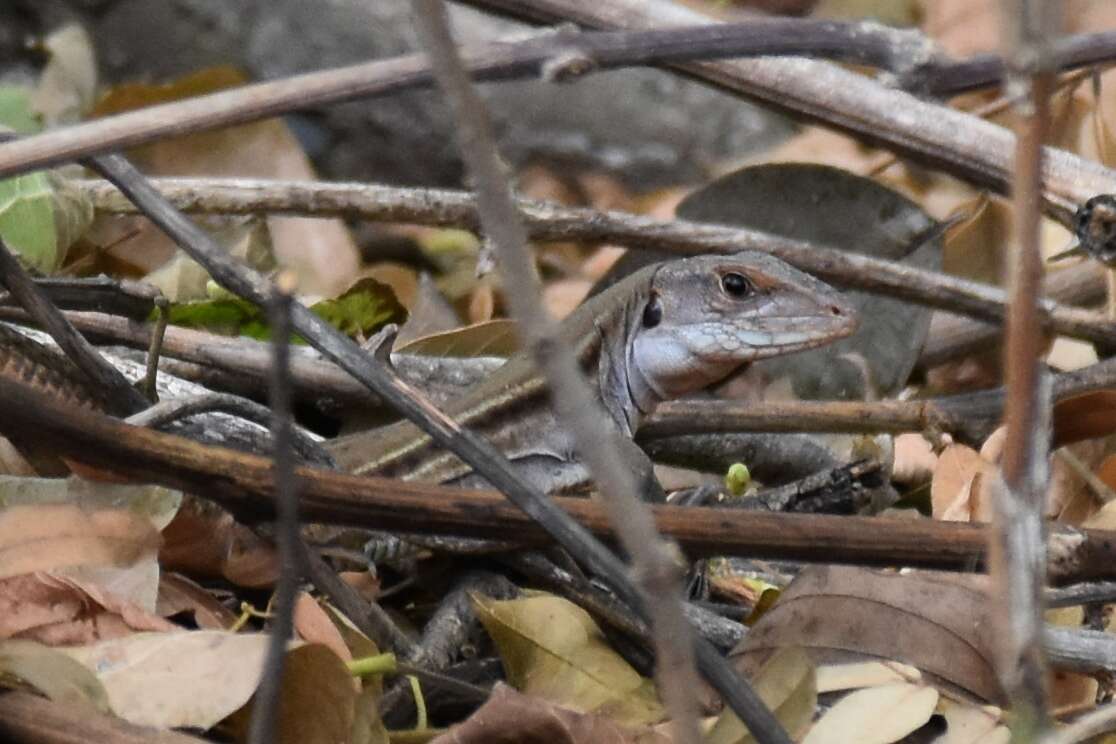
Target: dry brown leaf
x: 365, y: 582
x: 49, y: 536
x: 963, y: 27
x: 56, y: 610
x: 972, y: 724
x: 488, y: 338
x: 317, y: 702
x: 510, y: 717
x: 937, y: 624
x: 177, y: 594
x: 313, y: 625
x: 914, y: 459
x: 952, y: 488
x: 482, y: 303
x: 205, y: 541
x: 993, y: 447
x: 180, y: 679
x: 562, y: 297
x: 1086, y: 416
x: 875, y: 715
x: 320, y: 250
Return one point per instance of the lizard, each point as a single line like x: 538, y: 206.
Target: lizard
x: 662, y: 332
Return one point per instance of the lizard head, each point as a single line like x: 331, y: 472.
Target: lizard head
x: 708, y: 315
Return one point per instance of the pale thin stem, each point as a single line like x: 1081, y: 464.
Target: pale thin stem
x: 652, y: 561
x: 1017, y: 551
x: 545, y: 221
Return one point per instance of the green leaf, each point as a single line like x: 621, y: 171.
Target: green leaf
x: 231, y: 317
x: 362, y: 309
x: 552, y: 649
x: 15, y: 110
x: 27, y: 220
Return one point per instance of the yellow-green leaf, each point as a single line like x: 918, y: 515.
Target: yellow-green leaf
x: 52, y: 673
x: 786, y: 684
x: 552, y: 649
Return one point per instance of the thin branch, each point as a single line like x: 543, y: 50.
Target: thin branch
x: 118, y: 392
x: 546, y: 221
x: 960, y: 144
x: 27, y: 717
x: 1100, y: 720
x: 244, y: 484
x: 264, y: 725
x: 653, y: 562
x: 952, y: 336
x: 1017, y: 548
x: 174, y: 409
x: 956, y: 142
x: 475, y: 451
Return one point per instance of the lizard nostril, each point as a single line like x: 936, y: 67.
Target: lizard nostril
x: 836, y: 310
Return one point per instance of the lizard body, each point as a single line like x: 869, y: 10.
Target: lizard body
x: 662, y: 332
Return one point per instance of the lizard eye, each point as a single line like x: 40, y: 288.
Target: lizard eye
x: 737, y: 285
x: 653, y: 312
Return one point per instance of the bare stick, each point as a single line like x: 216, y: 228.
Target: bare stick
x: 472, y: 449
x: 956, y: 142
x: 244, y: 484
x: 174, y: 409
x: 121, y: 396
x: 546, y: 221
x: 1094, y: 723
x: 654, y: 564
x: 265, y: 711
x: 1018, y: 556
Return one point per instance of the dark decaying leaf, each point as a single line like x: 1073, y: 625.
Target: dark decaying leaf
x: 851, y: 213
x: 510, y: 717
x: 939, y: 625
x: 1086, y: 416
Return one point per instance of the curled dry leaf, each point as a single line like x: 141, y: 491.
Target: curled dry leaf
x: 915, y: 460
x: 956, y: 488
x: 180, y: 679
x: 177, y: 594
x: 1086, y: 416
x: 552, y: 649
x: 52, y: 673
x: 510, y: 717
x: 50, y: 536
x: 205, y: 541
x: 313, y: 625
x: 58, y: 610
